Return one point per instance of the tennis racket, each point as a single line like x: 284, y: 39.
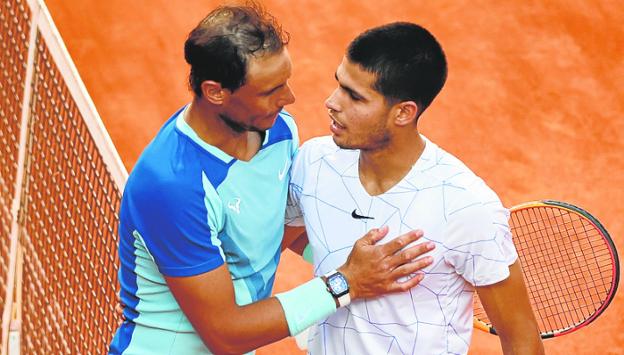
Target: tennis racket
x: 569, y: 263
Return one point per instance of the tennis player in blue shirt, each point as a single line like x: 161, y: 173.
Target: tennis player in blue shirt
x: 201, y: 221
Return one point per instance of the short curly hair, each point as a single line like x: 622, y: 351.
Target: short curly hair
x: 219, y: 47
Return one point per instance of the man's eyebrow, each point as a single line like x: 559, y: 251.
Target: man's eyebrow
x: 348, y: 89
x: 270, y: 91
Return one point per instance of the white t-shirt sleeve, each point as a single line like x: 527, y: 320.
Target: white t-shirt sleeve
x: 294, y: 215
x: 478, y: 241
x: 302, y: 178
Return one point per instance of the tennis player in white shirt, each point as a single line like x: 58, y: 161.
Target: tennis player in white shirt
x: 377, y: 171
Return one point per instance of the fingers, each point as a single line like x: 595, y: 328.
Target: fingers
x: 407, y: 255
x: 407, y: 283
x: 374, y: 235
x: 410, y: 269
x: 408, y: 273
x: 373, y: 270
x: 119, y: 308
x: 401, y: 241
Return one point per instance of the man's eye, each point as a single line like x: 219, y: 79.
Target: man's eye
x: 354, y: 97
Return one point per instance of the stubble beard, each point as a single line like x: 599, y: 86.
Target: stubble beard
x: 377, y: 139
x: 239, y: 127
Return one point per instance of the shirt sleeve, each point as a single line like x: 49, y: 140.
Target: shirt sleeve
x: 178, y: 226
x: 294, y: 215
x: 478, y: 241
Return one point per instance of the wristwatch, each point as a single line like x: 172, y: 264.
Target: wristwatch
x: 338, y: 287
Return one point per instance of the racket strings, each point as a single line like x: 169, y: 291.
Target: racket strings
x: 560, y: 302
x: 566, y: 264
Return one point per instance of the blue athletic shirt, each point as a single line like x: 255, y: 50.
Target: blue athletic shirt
x: 188, y: 207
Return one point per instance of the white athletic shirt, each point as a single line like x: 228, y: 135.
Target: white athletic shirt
x: 439, y: 195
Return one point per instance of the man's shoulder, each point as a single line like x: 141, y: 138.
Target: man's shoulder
x: 164, y: 169
x: 459, y: 180
x: 440, y: 165
x: 322, y: 142
x: 287, y: 117
x: 319, y: 147
x: 284, y: 127
x: 148, y: 180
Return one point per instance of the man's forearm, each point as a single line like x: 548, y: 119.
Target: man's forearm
x: 245, y: 328
x: 228, y: 328
x: 527, y: 342
x: 208, y: 299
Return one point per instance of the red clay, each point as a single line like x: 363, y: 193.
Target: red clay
x: 532, y: 103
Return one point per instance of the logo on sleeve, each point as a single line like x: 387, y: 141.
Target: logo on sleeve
x: 282, y: 172
x: 234, y: 205
x: 357, y: 216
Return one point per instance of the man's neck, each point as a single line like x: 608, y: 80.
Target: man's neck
x: 210, y: 128
x: 382, y: 169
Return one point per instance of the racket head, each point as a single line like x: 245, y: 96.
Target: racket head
x: 569, y: 263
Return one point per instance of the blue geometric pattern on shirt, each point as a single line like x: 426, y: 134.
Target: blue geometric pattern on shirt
x: 197, y: 183
x: 239, y: 265
x: 280, y: 130
x: 333, y: 199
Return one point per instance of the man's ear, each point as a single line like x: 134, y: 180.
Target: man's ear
x: 406, y: 113
x: 213, y: 92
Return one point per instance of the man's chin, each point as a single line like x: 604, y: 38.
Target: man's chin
x: 341, y: 143
x: 265, y: 123
x: 260, y: 130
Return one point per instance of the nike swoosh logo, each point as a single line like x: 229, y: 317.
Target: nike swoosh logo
x: 281, y: 173
x: 357, y: 216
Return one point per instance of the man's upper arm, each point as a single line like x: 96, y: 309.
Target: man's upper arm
x: 481, y: 249
x: 208, y: 302
x: 506, y: 302
x: 478, y: 240
x: 508, y: 308
x: 177, y: 228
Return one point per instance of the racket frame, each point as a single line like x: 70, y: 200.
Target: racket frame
x: 486, y: 327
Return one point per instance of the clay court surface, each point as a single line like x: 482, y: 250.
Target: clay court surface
x: 533, y: 102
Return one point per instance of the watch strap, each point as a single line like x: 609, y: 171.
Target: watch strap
x: 343, y: 300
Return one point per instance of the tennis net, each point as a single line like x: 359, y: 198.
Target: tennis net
x: 61, y: 182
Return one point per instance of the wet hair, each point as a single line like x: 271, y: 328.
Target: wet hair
x: 407, y: 61
x: 221, y: 45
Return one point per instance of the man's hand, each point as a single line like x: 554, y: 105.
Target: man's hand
x: 373, y: 270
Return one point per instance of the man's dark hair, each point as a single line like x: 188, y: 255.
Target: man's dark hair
x: 408, y: 62
x: 220, y: 46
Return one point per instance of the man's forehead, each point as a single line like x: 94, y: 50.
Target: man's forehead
x: 269, y: 66
x: 353, y: 74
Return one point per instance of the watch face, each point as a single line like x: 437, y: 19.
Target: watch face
x: 338, y: 284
